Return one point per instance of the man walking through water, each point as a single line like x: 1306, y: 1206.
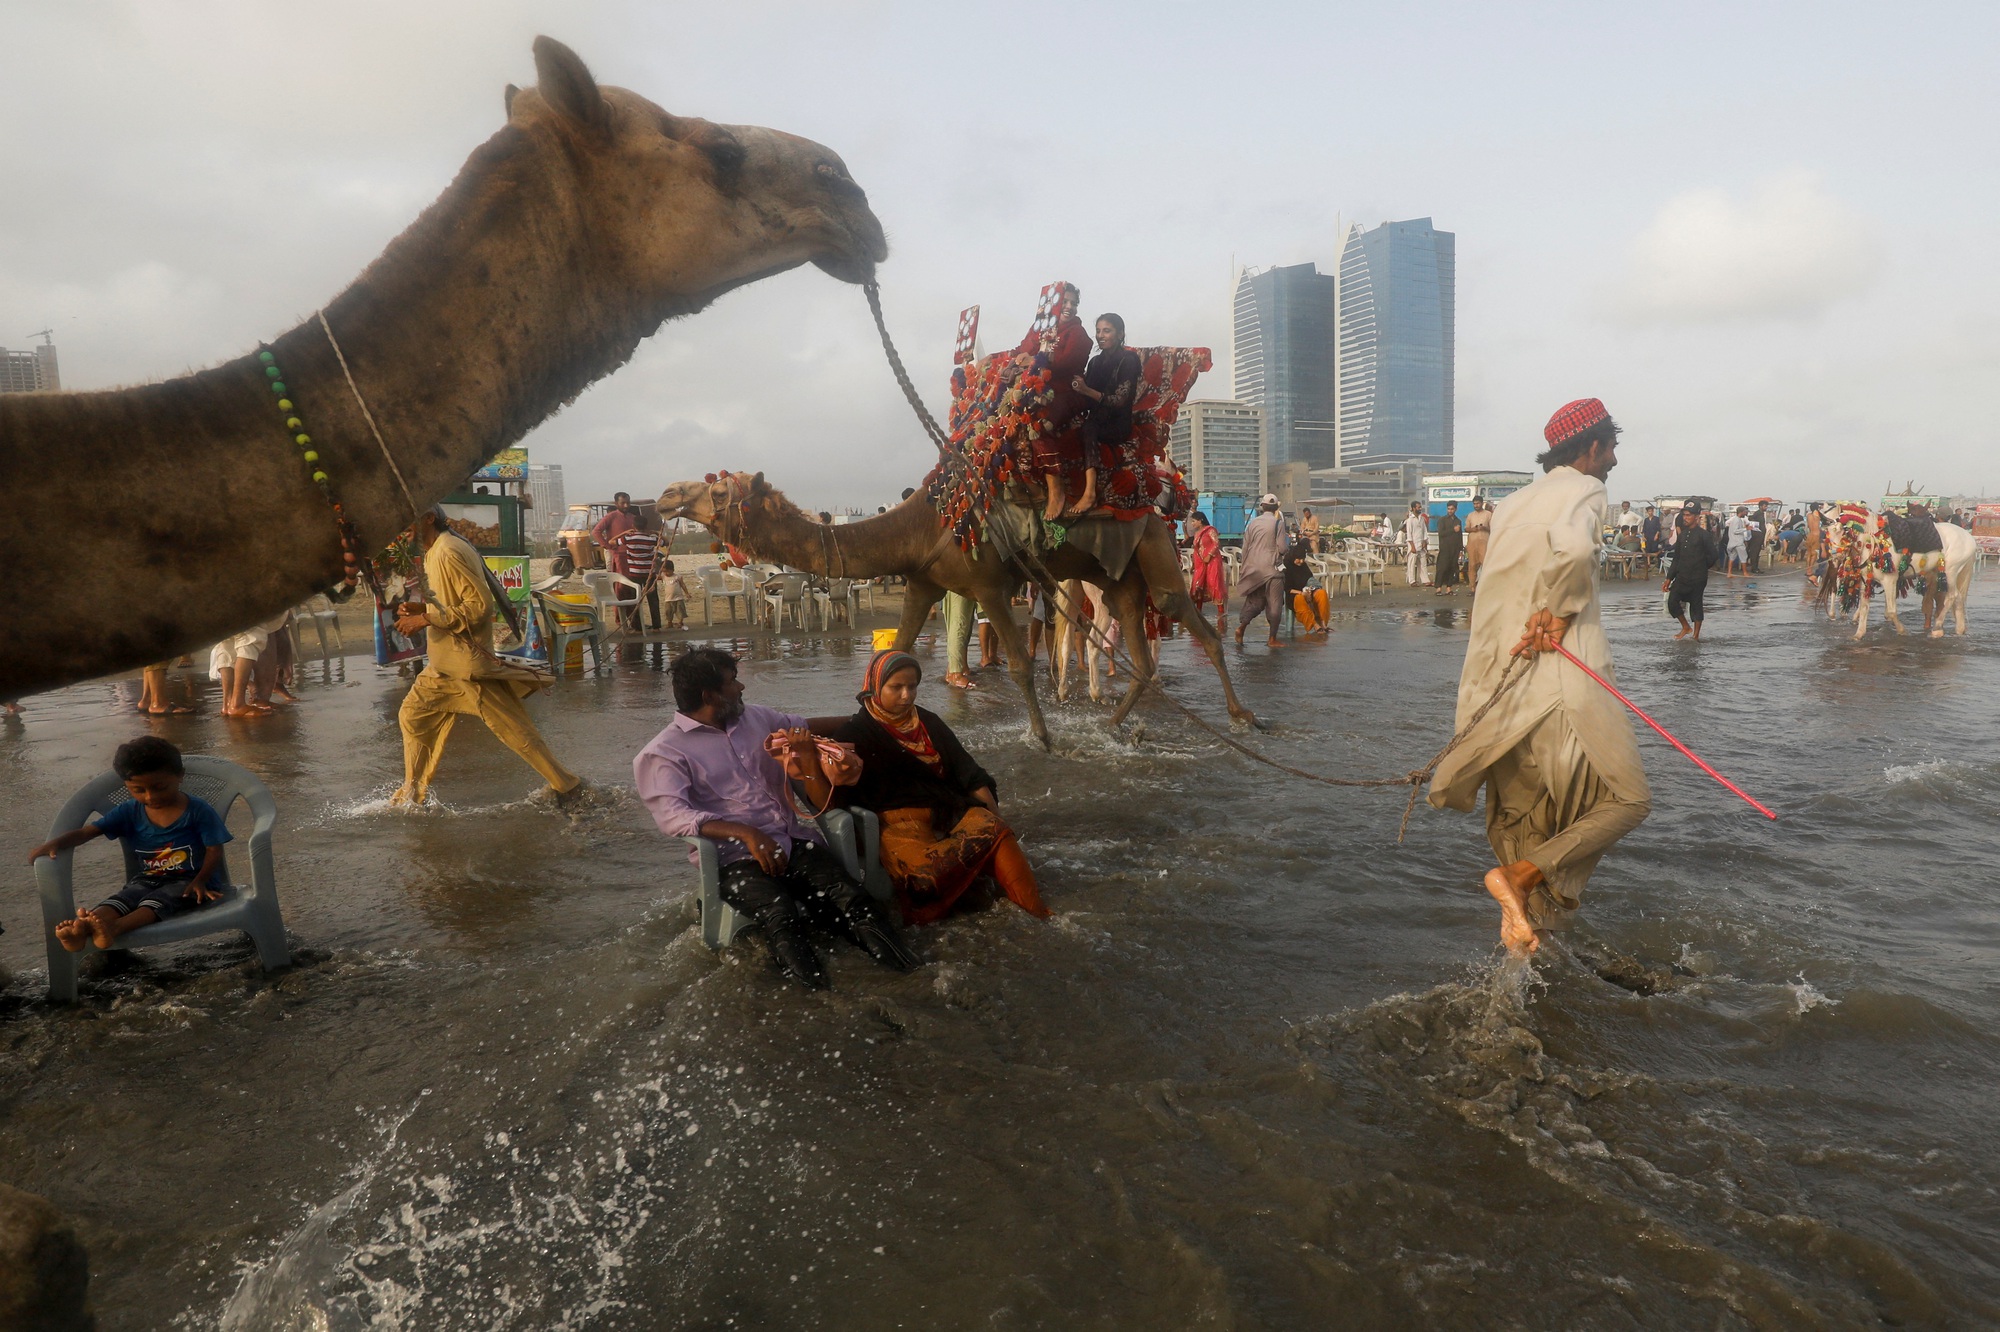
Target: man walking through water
x: 463, y: 675
x: 1555, y: 754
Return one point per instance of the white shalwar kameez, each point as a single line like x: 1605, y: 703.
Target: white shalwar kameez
x: 1556, y: 755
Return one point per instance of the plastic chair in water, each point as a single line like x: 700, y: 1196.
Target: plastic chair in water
x: 566, y: 621
x: 251, y: 908
x: 854, y: 835
x: 322, y: 615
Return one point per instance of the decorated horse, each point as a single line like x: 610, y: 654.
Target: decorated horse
x: 1891, y: 553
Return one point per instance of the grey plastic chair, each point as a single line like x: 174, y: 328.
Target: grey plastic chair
x: 721, y: 922
x: 563, y: 621
x: 251, y: 908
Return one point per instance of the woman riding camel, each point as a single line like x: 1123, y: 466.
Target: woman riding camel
x: 1110, y: 382
x: 941, y: 827
x: 1067, y: 345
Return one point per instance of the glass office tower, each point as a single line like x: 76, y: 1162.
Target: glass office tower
x: 1397, y: 335
x: 1283, y: 354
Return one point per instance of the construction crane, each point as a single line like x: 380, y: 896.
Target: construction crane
x: 47, y: 335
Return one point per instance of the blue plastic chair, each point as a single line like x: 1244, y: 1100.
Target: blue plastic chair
x: 721, y: 922
x: 251, y: 908
x: 566, y: 621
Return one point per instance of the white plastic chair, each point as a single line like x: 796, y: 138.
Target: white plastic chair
x: 839, y: 594
x: 251, y: 908
x: 787, y: 591
x: 718, y: 582
x: 322, y: 615
x: 721, y: 922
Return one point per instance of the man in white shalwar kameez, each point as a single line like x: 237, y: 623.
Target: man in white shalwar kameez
x: 1556, y: 755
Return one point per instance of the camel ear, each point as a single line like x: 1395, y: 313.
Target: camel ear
x: 566, y: 85
x: 511, y: 93
x: 758, y: 485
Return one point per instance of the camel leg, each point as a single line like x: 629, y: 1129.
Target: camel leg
x: 1101, y: 619
x: 999, y: 608
x: 919, y: 595
x: 1127, y: 599
x: 1060, y: 626
x: 1161, y: 568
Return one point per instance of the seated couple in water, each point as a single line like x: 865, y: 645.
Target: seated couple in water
x: 749, y: 777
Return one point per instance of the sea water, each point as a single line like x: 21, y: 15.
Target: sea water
x: 1264, y: 1068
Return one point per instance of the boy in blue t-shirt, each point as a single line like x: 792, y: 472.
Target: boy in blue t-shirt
x: 176, y: 837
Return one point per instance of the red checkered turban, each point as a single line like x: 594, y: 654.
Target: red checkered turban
x: 1572, y: 419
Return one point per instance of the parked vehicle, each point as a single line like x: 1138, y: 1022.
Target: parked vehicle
x: 1227, y: 514
x: 577, y: 550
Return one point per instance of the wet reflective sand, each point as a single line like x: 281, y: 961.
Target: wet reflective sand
x: 1263, y: 1070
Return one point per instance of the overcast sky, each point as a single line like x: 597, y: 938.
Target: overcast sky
x: 1761, y: 233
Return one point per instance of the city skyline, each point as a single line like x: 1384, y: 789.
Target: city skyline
x: 1726, y: 252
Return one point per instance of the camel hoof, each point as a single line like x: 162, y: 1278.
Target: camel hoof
x: 1937, y: 633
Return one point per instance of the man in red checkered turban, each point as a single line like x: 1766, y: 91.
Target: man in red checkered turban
x: 1555, y: 755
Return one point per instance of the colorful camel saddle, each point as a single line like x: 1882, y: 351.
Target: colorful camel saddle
x: 995, y: 426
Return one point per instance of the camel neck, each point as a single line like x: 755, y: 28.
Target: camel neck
x: 469, y: 329
x: 864, y: 549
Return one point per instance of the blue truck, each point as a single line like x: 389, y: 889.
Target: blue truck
x: 1226, y: 513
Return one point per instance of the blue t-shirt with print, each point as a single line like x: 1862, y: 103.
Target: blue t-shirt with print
x: 174, y: 851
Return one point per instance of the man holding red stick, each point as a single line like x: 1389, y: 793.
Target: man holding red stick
x: 1555, y: 754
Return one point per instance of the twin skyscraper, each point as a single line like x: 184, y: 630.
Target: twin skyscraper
x: 1352, y: 370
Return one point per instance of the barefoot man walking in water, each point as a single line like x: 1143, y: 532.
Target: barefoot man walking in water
x: 1556, y: 755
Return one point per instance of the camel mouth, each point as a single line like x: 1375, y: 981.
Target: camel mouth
x: 848, y: 268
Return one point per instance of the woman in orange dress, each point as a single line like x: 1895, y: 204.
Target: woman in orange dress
x: 941, y: 826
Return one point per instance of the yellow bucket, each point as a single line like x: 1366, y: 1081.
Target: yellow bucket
x: 884, y: 639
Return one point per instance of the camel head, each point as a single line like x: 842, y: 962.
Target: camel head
x: 679, y: 209
x: 728, y: 504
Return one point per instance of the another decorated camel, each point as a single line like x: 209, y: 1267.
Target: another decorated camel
x: 911, y: 541
x: 186, y: 510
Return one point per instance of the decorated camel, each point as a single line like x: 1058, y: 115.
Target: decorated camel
x: 187, y: 510
x: 912, y: 541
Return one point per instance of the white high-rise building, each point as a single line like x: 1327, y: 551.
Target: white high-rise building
x: 29, y: 371
x: 545, y: 488
x: 1219, y: 446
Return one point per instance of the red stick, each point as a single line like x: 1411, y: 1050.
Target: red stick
x: 1641, y: 713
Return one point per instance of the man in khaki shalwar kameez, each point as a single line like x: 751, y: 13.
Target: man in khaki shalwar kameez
x: 464, y: 675
x: 1556, y: 754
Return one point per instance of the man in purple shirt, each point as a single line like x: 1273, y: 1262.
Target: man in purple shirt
x: 708, y: 774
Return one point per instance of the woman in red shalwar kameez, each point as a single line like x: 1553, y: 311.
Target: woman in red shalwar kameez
x: 1058, y: 450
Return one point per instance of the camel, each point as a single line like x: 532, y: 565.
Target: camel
x: 911, y: 541
x: 1951, y: 565
x: 182, y: 511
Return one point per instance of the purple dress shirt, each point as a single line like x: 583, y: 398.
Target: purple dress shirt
x: 691, y: 774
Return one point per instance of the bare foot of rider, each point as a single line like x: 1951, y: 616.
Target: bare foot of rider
x: 1089, y: 500
x: 1509, y: 885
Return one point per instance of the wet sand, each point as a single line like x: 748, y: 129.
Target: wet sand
x: 1263, y: 1070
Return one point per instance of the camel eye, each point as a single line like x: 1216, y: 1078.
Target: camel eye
x: 826, y: 169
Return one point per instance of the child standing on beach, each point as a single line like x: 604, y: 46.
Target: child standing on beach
x: 176, y: 837
x: 676, y: 595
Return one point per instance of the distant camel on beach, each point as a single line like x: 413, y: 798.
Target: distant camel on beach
x: 185, y: 511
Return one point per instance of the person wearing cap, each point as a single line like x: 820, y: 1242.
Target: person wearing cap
x: 1261, y: 579
x: 1555, y: 753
